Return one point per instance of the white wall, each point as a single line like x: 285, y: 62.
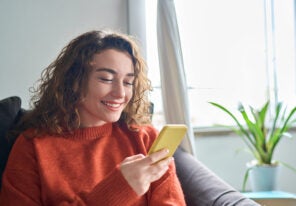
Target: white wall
x: 219, y: 154
x: 33, y: 33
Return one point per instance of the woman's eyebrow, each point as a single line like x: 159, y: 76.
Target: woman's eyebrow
x: 106, y: 70
x: 112, y: 71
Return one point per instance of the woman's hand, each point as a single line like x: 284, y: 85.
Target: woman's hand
x: 141, y: 171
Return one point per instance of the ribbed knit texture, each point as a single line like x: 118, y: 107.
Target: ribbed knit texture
x: 83, y: 169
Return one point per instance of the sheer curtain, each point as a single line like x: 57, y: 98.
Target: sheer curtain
x: 173, y: 81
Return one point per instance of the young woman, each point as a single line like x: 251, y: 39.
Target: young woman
x: 86, y: 139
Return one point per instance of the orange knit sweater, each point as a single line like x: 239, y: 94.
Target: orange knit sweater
x: 83, y: 169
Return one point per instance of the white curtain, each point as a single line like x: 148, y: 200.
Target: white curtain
x: 173, y: 81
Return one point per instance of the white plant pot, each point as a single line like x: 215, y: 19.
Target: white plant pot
x: 263, y: 177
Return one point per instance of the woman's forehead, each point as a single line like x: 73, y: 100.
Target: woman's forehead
x: 112, y: 60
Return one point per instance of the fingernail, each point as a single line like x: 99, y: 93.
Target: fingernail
x: 170, y: 160
x: 167, y: 151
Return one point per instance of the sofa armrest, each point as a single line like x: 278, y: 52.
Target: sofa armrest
x: 202, y: 187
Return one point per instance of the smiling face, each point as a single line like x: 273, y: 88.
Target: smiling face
x: 109, y: 88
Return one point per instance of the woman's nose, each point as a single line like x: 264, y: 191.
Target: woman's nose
x: 118, y: 89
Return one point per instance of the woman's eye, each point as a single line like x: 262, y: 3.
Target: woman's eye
x: 105, y: 79
x: 129, y: 83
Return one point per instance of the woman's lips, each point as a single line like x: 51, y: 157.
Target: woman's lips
x: 112, y: 105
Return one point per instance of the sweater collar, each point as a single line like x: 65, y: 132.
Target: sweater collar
x: 89, y: 133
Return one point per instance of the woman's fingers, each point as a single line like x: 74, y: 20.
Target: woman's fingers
x: 158, y: 169
x: 133, y: 158
x: 155, y: 157
x: 141, y: 171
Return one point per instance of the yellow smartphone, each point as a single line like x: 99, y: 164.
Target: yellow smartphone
x: 169, y: 137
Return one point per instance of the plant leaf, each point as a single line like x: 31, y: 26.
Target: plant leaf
x: 288, y: 135
x: 256, y: 133
x: 288, y: 166
x: 245, y: 134
x: 274, y: 140
x: 246, y: 176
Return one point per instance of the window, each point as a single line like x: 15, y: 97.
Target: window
x: 234, y: 51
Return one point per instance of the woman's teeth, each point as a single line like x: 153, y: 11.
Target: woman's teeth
x: 111, y: 104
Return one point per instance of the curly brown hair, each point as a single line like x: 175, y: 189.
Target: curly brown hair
x: 63, y: 82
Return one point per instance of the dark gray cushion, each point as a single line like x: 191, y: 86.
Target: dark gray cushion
x: 202, y: 187
x: 9, y: 111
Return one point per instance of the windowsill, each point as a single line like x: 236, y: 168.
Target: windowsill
x: 211, y: 131
x: 218, y: 131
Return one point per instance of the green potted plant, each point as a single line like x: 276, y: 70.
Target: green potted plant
x: 261, y: 139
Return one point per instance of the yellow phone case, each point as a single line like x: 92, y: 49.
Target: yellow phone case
x: 169, y: 137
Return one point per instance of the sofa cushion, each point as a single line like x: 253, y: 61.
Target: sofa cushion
x: 9, y: 110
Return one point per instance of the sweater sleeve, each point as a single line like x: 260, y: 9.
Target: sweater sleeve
x: 167, y: 190
x: 20, y: 183
x: 121, y: 194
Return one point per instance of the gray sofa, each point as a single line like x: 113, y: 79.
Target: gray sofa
x: 201, y: 186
